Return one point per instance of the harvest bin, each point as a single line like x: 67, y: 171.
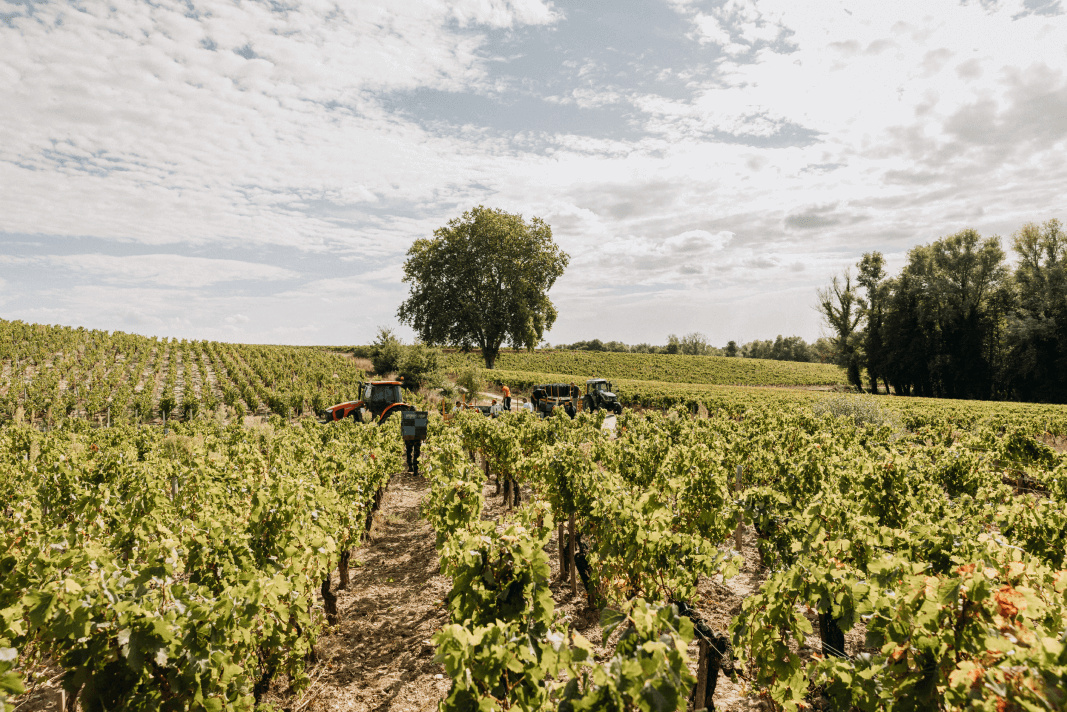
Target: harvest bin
x: 413, y: 424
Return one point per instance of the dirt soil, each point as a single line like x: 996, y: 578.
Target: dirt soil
x: 379, y: 658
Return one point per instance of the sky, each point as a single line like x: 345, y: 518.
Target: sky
x: 256, y: 171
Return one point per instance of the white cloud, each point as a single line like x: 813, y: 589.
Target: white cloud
x: 805, y: 133
x: 159, y: 270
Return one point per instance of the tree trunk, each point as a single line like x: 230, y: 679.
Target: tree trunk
x: 342, y: 569
x: 489, y: 354
x: 833, y: 640
x: 570, y: 558
x: 263, y: 684
x: 69, y: 701
x: 329, y: 601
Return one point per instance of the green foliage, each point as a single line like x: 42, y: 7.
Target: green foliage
x: 177, y: 572
x: 859, y: 409
x: 471, y: 379
x: 577, y: 366
x: 421, y: 366
x: 95, y: 375
x: 387, y: 352
x: 840, y: 306
x: 483, y: 280
x: 649, y: 670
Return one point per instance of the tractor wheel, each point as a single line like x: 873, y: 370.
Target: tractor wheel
x: 587, y: 404
x: 618, y: 409
x: 357, y: 415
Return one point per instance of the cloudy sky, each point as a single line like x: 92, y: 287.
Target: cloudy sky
x: 255, y: 171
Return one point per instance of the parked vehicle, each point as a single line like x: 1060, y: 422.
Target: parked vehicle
x: 379, y: 398
x: 546, y: 397
x: 598, y: 394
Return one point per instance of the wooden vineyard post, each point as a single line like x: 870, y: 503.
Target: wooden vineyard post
x: 701, y: 692
x: 173, y: 488
x: 708, y: 667
x: 570, y: 558
x: 563, y: 568
x: 740, y: 516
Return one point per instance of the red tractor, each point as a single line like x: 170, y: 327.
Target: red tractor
x: 380, y: 398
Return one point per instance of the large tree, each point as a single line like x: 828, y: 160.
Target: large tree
x: 482, y: 280
x: 872, y: 278
x: 1038, y: 328
x: 840, y: 307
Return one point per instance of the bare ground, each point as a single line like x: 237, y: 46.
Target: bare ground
x: 379, y: 658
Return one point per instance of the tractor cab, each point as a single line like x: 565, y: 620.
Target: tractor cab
x: 598, y: 394
x: 597, y: 384
x: 382, y: 392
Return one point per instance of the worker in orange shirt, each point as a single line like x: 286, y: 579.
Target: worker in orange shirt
x: 507, y: 398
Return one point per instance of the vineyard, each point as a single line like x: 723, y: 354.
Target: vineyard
x: 52, y: 372
x: 912, y: 553
x: 667, y: 368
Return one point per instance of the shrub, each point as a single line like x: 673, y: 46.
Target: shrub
x: 421, y: 366
x: 860, y: 409
x: 470, y: 379
x: 387, y: 352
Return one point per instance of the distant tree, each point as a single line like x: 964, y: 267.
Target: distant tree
x: 386, y: 352
x: 482, y: 280
x: 792, y: 348
x: 731, y: 349
x: 674, y: 345
x: 472, y: 381
x: 694, y: 344
x: 937, y: 329
x: 1038, y: 328
x: 968, y: 272
x: 840, y: 307
x: 872, y: 308
x: 757, y: 349
x: 822, y: 350
x: 643, y: 348
x: 420, y: 366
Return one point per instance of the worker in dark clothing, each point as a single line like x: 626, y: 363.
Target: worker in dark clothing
x: 412, y: 449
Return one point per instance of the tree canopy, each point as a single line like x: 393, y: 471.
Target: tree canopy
x: 957, y: 322
x: 483, y: 280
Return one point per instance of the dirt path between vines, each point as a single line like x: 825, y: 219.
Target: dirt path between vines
x: 379, y: 658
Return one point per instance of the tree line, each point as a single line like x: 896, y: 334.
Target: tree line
x: 789, y: 348
x: 958, y: 321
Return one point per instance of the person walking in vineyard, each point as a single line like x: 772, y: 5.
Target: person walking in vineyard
x: 507, y: 398
x: 412, y: 449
